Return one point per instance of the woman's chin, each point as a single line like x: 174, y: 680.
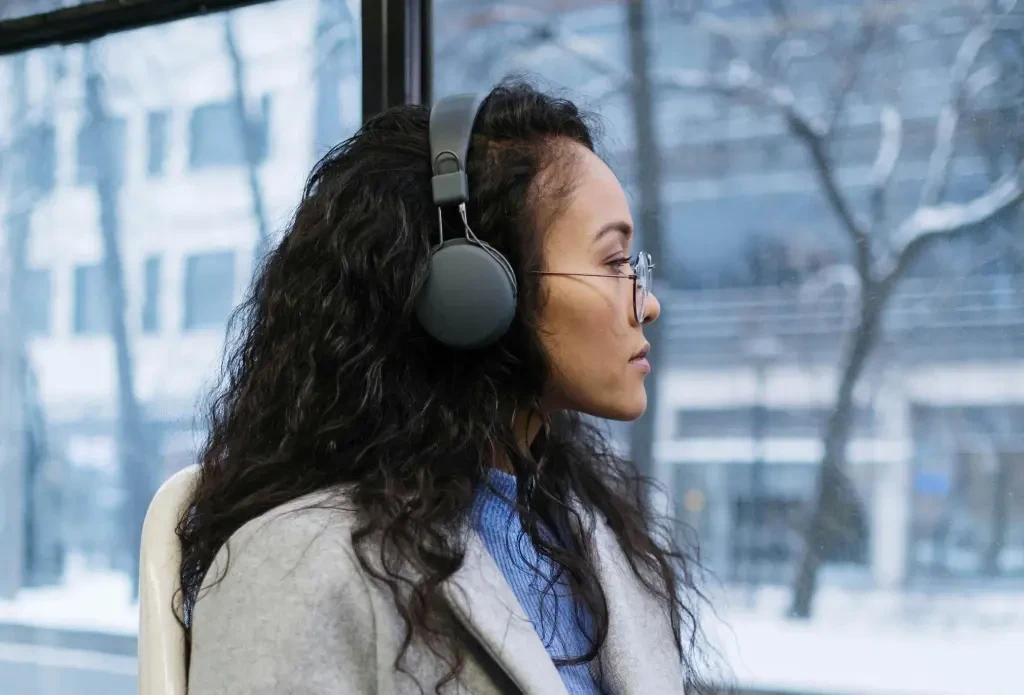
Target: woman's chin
x: 623, y: 410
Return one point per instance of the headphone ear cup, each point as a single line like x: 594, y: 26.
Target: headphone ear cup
x: 469, y: 299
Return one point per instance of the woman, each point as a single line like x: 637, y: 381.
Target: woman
x: 379, y: 512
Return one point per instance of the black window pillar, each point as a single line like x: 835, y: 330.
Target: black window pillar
x: 396, y: 54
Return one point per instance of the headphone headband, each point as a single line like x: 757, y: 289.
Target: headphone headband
x: 451, y: 129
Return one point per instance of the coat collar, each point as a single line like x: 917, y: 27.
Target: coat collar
x: 485, y: 604
x: 638, y: 657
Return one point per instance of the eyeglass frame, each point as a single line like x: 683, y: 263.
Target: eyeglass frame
x: 634, y: 265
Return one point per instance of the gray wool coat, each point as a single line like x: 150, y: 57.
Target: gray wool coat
x: 296, y: 613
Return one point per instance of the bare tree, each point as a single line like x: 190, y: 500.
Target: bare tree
x: 334, y: 38
x: 880, y: 260
x: 248, y: 135
x: 13, y: 354
x: 881, y: 263
x: 134, y: 450
x: 27, y: 166
x: 331, y: 15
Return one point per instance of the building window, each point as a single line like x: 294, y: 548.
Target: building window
x: 156, y: 137
x: 36, y: 152
x: 35, y: 302
x: 215, y: 138
x: 151, y: 295
x: 209, y: 289
x: 101, y: 151
x: 91, y: 305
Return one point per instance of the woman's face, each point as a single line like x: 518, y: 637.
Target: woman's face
x: 587, y: 324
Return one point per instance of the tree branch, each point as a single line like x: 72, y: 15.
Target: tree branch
x: 743, y: 82
x: 854, y: 68
x: 949, y: 118
x: 246, y: 132
x: 930, y: 223
x: 855, y: 228
x: 885, y: 161
x: 841, y: 275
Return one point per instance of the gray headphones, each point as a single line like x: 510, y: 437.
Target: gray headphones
x: 469, y: 299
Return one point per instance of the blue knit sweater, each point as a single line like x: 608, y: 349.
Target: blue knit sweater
x: 552, y: 610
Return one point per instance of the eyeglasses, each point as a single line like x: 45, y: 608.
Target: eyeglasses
x: 642, y: 268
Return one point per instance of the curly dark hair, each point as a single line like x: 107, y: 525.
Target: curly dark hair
x: 330, y: 384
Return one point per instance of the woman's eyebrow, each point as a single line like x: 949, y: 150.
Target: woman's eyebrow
x: 619, y: 226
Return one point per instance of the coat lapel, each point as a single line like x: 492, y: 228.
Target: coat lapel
x: 639, y: 656
x: 487, y: 607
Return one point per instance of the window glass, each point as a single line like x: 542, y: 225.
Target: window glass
x: 209, y: 289
x: 151, y: 295
x: 129, y: 211
x: 13, y: 9
x: 156, y: 134
x: 35, y: 316
x: 214, y: 139
x: 837, y: 442
x: 90, y: 301
x: 101, y: 149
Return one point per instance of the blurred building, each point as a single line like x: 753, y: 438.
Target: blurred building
x: 186, y: 207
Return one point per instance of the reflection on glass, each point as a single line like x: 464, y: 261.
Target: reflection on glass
x: 829, y: 189
x: 14, y: 9
x: 140, y: 175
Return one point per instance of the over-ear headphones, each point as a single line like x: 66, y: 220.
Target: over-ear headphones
x: 469, y: 299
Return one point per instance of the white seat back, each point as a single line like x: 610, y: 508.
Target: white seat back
x: 161, y: 638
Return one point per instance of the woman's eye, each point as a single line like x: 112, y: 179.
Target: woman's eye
x: 618, y: 263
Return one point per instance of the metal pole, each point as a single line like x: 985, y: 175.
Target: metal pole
x: 397, y: 54
x: 648, y: 182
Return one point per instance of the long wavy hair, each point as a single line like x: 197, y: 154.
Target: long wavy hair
x: 330, y: 385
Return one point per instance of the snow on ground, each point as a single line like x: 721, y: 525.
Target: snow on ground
x: 89, y: 599
x: 818, y: 658
x: 874, y: 642
x: 859, y: 642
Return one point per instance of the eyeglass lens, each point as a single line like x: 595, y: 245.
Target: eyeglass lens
x: 642, y: 285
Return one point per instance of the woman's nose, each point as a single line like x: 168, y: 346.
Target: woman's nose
x: 652, y: 308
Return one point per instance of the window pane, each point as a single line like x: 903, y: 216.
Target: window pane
x: 151, y: 295
x: 215, y: 139
x: 35, y: 318
x: 12, y: 9
x: 209, y: 289
x: 156, y: 133
x: 760, y: 288
x: 91, y: 301
x: 101, y: 153
x: 112, y: 216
